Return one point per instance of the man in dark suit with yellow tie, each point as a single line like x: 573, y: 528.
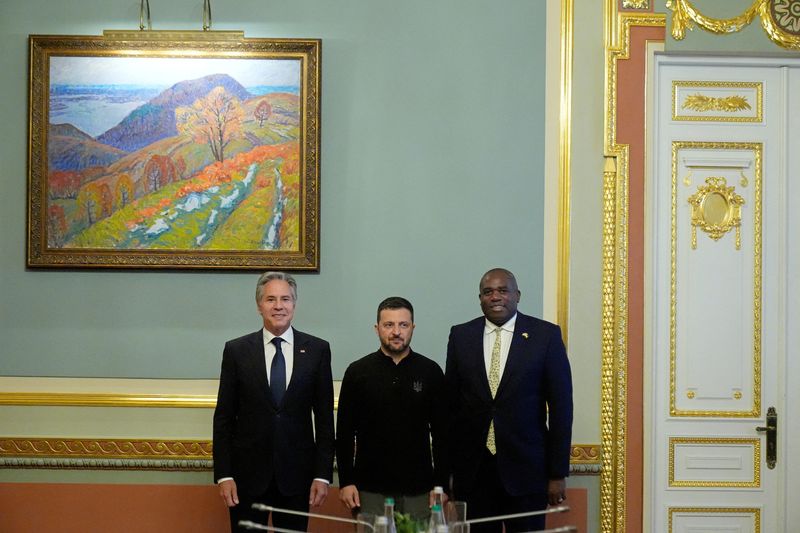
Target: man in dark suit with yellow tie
x: 267, y: 446
x: 510, y: 390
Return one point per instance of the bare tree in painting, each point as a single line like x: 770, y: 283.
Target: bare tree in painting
x: 214, y: 119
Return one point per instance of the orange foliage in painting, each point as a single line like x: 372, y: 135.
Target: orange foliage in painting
x: 64, y: 184
x: 218, y: 173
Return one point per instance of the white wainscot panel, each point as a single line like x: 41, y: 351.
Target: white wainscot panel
x: 697, y: 462
x: 714, y: 520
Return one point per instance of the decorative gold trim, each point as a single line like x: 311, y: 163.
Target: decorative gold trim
x: 755, y: 511
x: 147, y: 454
x: 757, y: 149
x: 716, y: 209
x: 684, y: 14
x: 108, y: 400
x: 564, y: 170
x: 730, y: 104
x: 585, y: 454
x: 756, y: 446
x: 636, y: 4
x: 205, y: 401
x: 106, y: 449
x: 614, y: 377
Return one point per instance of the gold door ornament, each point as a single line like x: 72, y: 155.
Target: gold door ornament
x: 716, y: 209
x: 780, y: 19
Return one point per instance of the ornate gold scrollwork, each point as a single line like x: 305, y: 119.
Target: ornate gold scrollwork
x: 636, y: 4
x: 779, y: 18
x: 716, y: 209
x: 728, y: 104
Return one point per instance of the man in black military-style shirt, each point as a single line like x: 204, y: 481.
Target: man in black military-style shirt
x: 390, y: 422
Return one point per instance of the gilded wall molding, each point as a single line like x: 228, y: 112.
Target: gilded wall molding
x: 79, y: 399
x: 564, y: 168
x: 103, y: 454
x: 614, y: 377
x: 779, y: 18
x: 178, y: 455
x: 107, y: 399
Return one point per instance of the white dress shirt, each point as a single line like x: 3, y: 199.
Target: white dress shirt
x: 506, y: 334
x: 287, y: 347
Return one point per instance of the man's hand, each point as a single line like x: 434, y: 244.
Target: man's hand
x: 318, y: 493
x: 556, y: 491
x: 227, y: 491
x: 349, y: 496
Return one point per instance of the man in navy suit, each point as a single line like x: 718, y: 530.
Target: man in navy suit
x: 267, y: 446
x: 510, y: 389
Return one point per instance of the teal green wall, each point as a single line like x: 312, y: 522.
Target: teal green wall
x: 432, y: 163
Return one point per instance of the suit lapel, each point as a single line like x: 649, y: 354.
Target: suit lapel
x: 518, y: 353
x: 476, y: 339
x: 259, y: 364
x: 300, y: 361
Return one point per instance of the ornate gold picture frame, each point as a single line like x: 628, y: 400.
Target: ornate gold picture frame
x: 174, y: 150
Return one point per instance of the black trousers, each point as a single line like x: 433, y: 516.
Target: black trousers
x: 487, y: 497
x: 274, y: 498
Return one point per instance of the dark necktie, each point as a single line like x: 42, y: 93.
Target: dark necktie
x: 277, y: 382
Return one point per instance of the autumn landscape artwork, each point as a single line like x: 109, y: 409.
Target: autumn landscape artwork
x: 164, y: 154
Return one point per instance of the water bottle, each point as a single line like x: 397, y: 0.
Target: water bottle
x: 438, y: 496
x: 437, y: 519
x: 381, y: 524
x: 388, y: 512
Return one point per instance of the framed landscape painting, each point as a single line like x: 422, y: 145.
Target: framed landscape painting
x: 173, y: 150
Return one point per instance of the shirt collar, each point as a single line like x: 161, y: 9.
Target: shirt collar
x: 287, y: 336
x: 489, y: 327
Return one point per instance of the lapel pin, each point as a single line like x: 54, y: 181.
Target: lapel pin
x: 302, y: 351
x: 525, y: 335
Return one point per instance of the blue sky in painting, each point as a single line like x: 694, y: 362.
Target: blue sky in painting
x: 167, y: 71
x: 96, y: 93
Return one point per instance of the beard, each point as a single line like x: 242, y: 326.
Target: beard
x: 396, y: 349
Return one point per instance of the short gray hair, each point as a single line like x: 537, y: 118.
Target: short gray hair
x: 266, y: 277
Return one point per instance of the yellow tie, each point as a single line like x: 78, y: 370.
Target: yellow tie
x: 494, y: 382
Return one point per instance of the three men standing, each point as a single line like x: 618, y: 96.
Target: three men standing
x: 499, y: 420
x: 391, y: 421
x: 267, y: 446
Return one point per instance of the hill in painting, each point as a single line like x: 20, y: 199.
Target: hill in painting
x: 69, y: 148
x: 155, y: 120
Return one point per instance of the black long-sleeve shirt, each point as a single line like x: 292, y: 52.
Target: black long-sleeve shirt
x: 390, y: 417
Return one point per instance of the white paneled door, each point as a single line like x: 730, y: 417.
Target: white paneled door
x: 723, y: 279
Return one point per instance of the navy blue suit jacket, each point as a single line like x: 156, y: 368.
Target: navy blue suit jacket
x: 254, y: 438
x: 536, y: 381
